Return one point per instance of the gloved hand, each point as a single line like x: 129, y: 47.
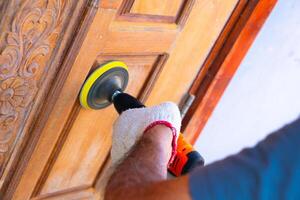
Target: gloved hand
x: 131, y: 125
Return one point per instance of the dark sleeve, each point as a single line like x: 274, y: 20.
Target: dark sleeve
x: 270, y: 170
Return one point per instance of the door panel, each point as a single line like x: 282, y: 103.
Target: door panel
x: 78, y: 167
x: 134, y: 41
x: 157, y: 7
x: 164, y: 55
x: 156, y: 11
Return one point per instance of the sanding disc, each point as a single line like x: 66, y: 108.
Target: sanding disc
x: 102, y: 83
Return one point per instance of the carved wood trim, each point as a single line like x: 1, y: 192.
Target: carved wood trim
x: 124, y: 13
x: 22, y: 64
x: 82, y: 15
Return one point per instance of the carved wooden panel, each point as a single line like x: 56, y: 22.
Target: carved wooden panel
x: 26, y: 47
x: 161, y: 11
x: 74, y: 169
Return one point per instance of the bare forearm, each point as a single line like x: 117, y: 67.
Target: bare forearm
x: 144, y: 167
x: 175, y: 189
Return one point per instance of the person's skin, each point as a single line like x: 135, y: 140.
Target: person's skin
x: 142, y: 174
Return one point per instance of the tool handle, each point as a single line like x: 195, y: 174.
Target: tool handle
x: 123, y: 101
x: 186, y: 158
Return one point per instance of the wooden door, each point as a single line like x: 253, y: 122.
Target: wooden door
x: 164, y: 43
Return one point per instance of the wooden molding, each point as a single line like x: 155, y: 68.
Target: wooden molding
x: 124, y: 13
x: 223, y: 62
x: 153, y: 76
x: 59, y: 145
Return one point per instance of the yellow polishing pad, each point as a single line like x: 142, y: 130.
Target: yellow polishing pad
x: 102, y: 83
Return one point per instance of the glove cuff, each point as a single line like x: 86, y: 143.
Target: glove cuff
x: 174, y: 134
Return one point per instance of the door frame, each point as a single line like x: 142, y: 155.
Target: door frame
x: 223, y: 61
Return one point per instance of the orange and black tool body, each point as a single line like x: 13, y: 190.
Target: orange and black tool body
x: 186, y: 159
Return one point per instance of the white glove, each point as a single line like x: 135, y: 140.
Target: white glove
x: 131, y: 125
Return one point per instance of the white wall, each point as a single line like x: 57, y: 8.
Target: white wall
x: 265, y: 92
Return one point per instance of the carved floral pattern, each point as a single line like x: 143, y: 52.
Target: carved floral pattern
x: 22, y: 60
x: 15, y: 93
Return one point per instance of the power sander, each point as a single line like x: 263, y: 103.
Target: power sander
x: 105, y: 85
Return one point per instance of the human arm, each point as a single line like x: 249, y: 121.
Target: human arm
x: 142, y: 175
x: 270, y: 170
